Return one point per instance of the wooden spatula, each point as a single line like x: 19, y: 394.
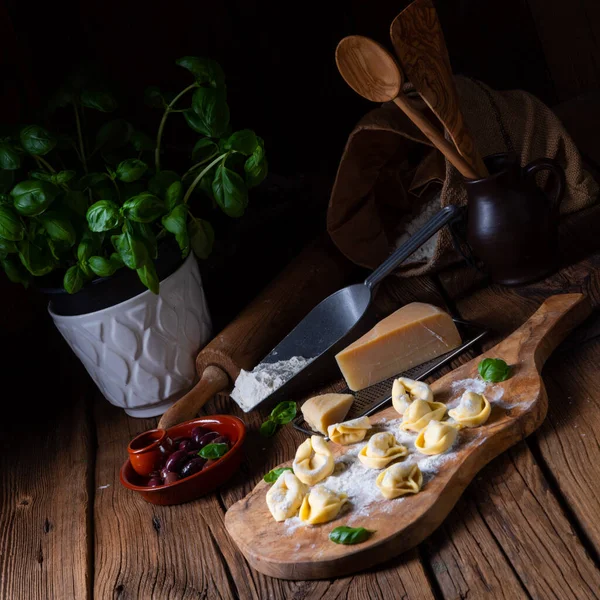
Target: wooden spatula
x: 371, y: 71
x: 420, y: 46
x: 307, y: 553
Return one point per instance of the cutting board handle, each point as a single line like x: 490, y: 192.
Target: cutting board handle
x: 549, y: 326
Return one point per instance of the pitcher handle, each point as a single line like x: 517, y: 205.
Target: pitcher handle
x: 551, y: 165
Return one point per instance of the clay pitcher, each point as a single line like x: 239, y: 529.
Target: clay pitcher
x: 512, y: 225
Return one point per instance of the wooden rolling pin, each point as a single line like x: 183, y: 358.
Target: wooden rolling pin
x: 319, y: 270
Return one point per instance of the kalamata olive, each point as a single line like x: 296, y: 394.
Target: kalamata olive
x: 163, y: 473
x: 198, y: 432
x: 154, y: 474
x: 176, y: 461
x: 154, y: 482
x: 185, y: 445
x: 191, y: 467
x: 207, y: 438
x: 221, y: 440
x: 171, y: 478
x: 209, y: 462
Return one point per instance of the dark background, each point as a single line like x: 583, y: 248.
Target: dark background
x: 282, y: 82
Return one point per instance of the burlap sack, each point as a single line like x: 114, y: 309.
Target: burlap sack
x: 390, y: 179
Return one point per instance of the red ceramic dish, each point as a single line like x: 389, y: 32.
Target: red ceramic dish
x: 204, y: 481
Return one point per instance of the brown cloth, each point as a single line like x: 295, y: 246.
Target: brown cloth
x: 390, y: 175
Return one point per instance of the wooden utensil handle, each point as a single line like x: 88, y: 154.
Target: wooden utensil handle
x: 213, y: 381
x: 436, y: 138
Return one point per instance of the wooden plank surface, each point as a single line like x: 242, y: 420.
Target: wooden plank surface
x: 46, y: 470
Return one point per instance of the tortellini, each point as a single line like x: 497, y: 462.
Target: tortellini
x: 285, y: 496
x: 473, y: 410
x: 313, y: 461
x: 349, y: 432
x: 420, y: 412
x: 400, y: 479
x: 405, y: 391
x: 436, y: 438
x: 321, y: 505
x: 380, y: 450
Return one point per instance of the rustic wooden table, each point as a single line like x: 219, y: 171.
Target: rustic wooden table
x: 527, y: 526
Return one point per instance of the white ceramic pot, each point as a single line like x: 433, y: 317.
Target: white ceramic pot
x: 141, y: 352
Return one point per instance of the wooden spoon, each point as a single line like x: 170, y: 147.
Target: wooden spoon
x: 419, y: 44
x: 371, y: 71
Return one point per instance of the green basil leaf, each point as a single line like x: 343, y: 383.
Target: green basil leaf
x: 59, y: 228
x: 76, y: 201
x: 284, y: 412
x: 11, y: 226
x: 144, y: 232
x: 63, y: 177
x: 103, y: 215
x: 148, y: 277
x: 92, y: 180
x: 230, y: 192
x: 174, y: 195
x: 131, y: 170
x: 88, y: 246
x: 349, y: 535
x: 274, y: 474
x: 5, y: 199
x: 9, y: 158
x: 7, y: 178
x: 41, y: 176
x: 34, y: 259
x: 7, y: 247
x: 36, y: 140
x: 494, y: 370
x: 204, y: 149
x: 202, y: 237
x: 183, y: 240
x: 141, y: 142
x: 176, y: 221
x: 160, y: 183
x: 153, y: 97
x: 14, y: 271
x: 132, y: 250
x: 256, y: 166
x: 143, y: 208
x: 194, y: 121
x: 204, y: 70
x: 105, y: 267
x: 114, y: 134
x: 210, y: 106
x: 244, y: 141
x: 74, y: 279
x: 98, y: 100
x: 213, y: 451
x: 33, y: 197
x: 58, y: 248
x: 268, y: 428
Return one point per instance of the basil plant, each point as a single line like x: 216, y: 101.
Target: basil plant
x: 111, y: 208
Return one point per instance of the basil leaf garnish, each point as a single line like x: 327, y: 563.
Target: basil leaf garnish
x: 494, y: 370
x: 284, y: 412
x: 349, y: 535
x: 213, y: 450
x: 273, y: 475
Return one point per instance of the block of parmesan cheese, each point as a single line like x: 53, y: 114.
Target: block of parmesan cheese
x: 409, y: 337
x: 322, y: 411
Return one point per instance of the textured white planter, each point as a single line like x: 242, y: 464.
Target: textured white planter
x: 141, y: 353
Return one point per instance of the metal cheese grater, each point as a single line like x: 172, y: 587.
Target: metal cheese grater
x: 371, y: 399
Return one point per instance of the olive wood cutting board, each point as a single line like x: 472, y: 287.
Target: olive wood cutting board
x: 307, y: 553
